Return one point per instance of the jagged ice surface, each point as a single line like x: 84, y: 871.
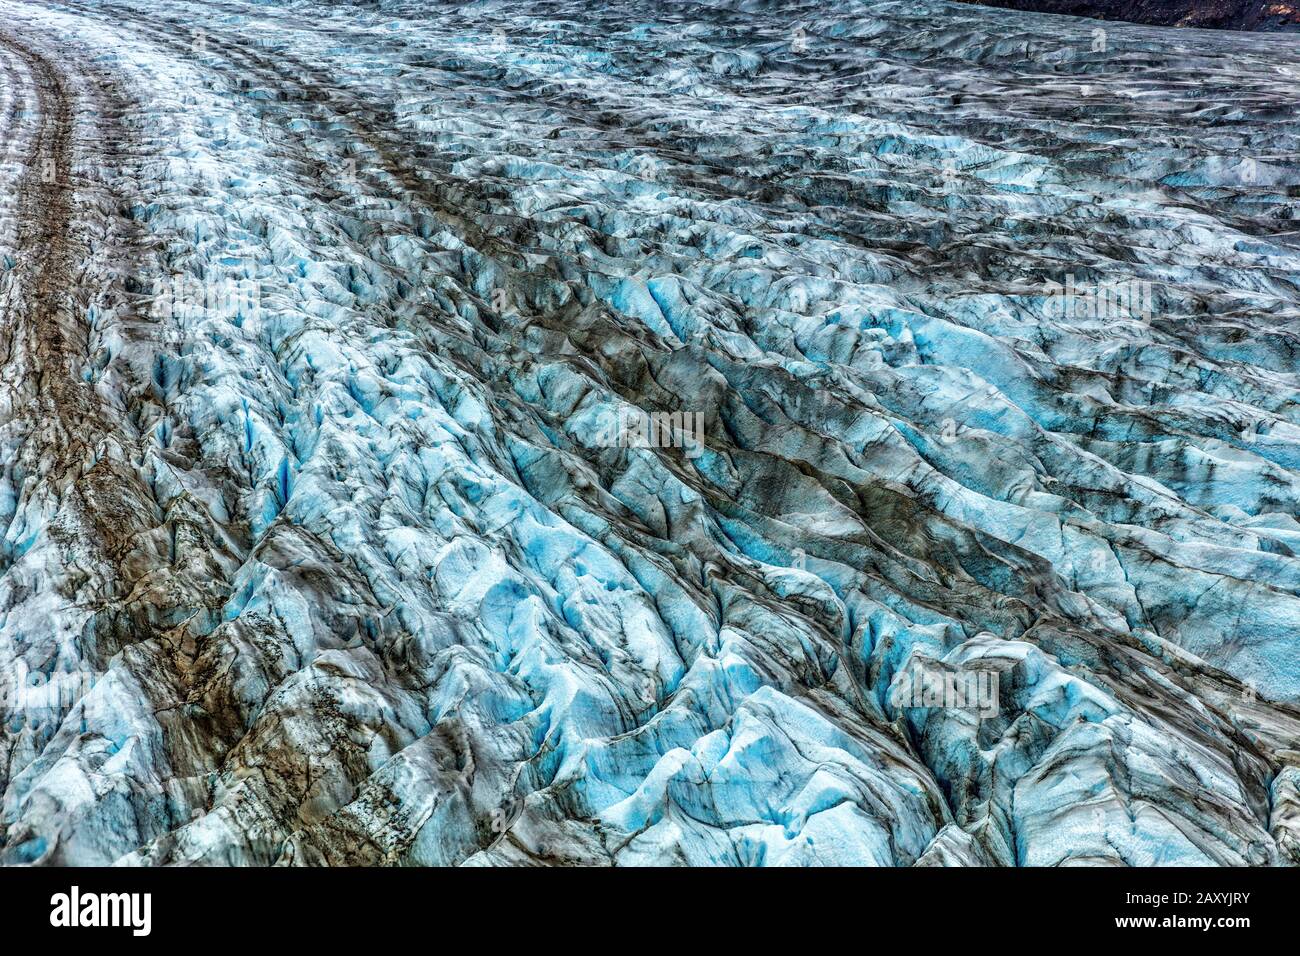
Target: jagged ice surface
x: 360, y: 579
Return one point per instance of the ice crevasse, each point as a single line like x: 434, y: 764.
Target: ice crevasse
x: 325, y: 548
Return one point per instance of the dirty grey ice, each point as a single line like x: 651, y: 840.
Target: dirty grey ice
x: 626, y: 433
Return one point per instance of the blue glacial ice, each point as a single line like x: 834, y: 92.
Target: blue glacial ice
x: 325, y: 525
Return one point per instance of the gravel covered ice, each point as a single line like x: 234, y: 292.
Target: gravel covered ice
x: 560, y: 432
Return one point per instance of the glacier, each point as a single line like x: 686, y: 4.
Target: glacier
x: 973, y: 338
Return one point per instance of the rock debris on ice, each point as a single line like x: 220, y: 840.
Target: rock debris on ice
x: 324, y: 541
